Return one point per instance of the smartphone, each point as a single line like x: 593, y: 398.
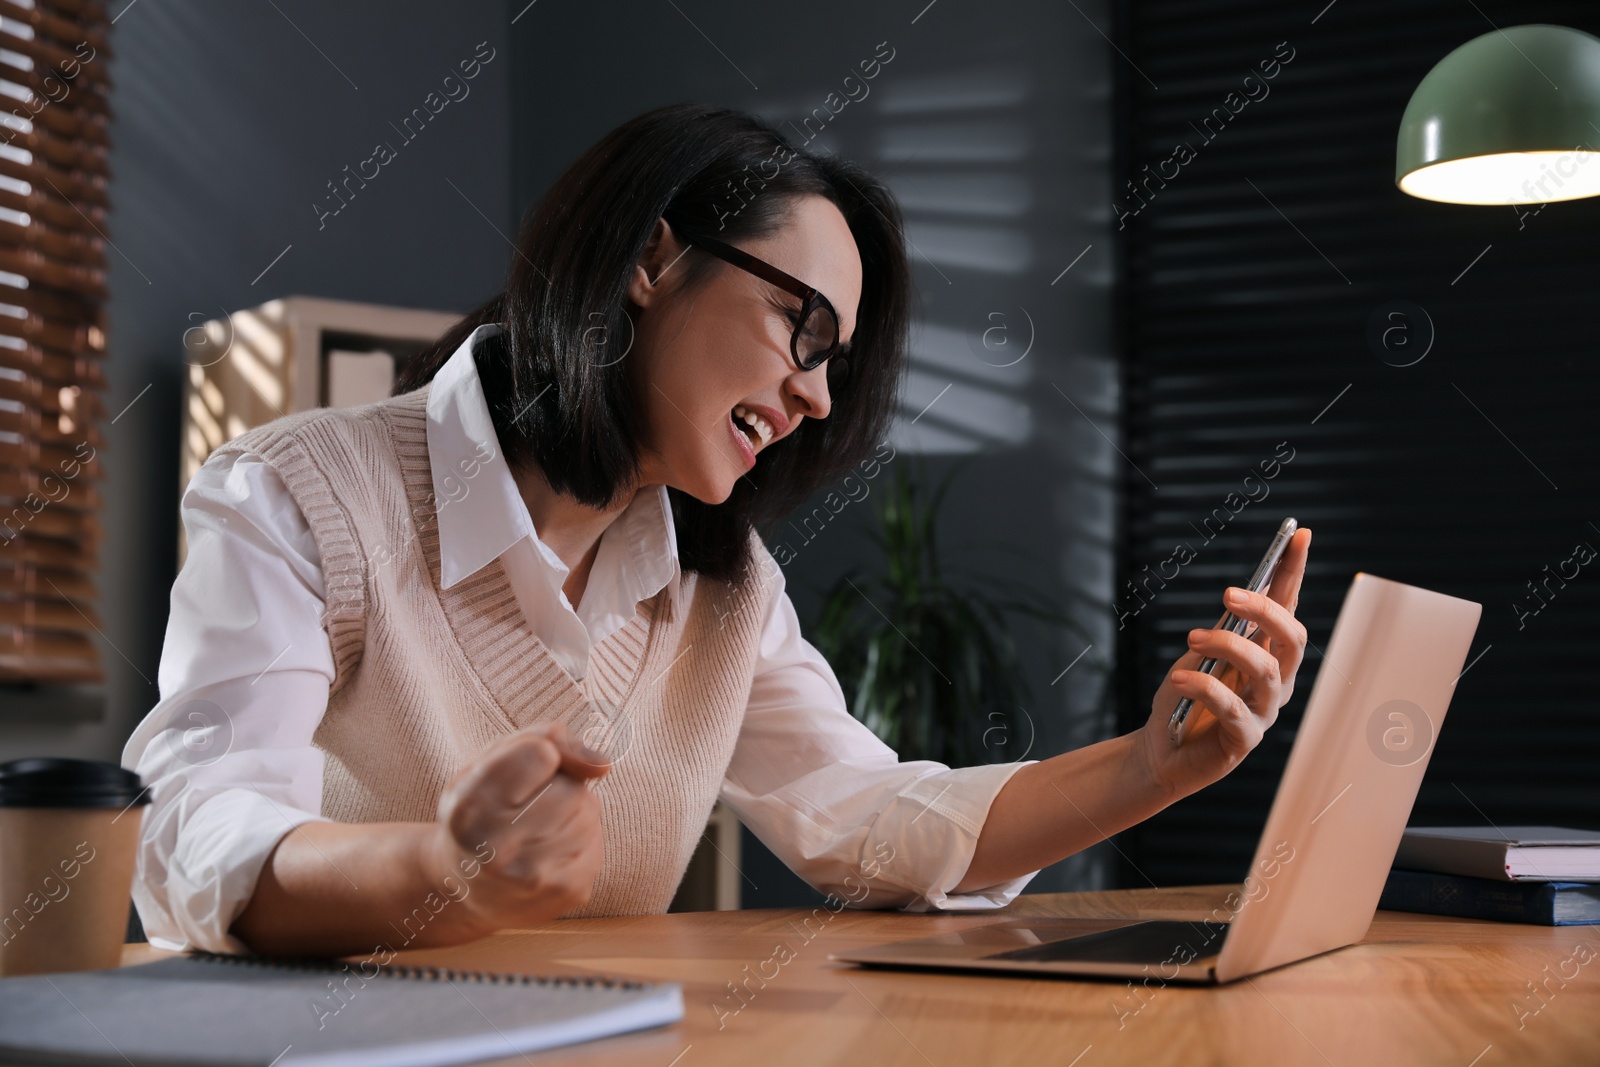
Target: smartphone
x: 1177, y: 725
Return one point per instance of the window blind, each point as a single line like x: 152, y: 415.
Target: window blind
x: 1423, y: 375
x: 54, y: 113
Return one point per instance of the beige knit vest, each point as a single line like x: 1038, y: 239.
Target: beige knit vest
x: 426, y: 678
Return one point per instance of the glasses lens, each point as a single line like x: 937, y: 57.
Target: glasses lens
x: 838, y: 372
x: 816, y: 336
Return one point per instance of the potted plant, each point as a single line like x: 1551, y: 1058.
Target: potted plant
x: 924, y: 652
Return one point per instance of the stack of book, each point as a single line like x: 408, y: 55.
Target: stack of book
x: 1524, y: 874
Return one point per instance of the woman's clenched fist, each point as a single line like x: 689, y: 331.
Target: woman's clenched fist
x: 523, y: 818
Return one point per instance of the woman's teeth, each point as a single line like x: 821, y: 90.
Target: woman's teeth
x: 761, y: 426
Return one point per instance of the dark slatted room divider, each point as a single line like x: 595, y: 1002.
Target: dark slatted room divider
x: 1422, y: 381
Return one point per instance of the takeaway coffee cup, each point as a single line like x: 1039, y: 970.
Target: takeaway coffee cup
x: 69, y: 830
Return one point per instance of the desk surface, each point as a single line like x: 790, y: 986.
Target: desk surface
x: 1418, y: 990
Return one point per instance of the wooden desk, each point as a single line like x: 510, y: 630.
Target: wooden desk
x: 1418, y: 990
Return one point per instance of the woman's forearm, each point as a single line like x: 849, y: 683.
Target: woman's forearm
x: 1049, y: 810
x: 332, y: 888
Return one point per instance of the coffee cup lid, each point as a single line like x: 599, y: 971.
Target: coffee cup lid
x: 48, y: 782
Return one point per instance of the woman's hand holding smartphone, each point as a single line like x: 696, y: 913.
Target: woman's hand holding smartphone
x: 1238, y: 697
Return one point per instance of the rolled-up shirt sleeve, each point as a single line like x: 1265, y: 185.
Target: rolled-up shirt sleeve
x: 227, y: 753
x: 837, y: 805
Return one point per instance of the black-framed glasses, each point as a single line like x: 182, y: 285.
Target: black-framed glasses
x: 815, y: 340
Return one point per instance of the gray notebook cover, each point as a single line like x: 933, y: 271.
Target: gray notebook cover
x: 238, y: 1012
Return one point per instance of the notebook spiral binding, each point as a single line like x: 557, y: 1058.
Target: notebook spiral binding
x: 427, y: 974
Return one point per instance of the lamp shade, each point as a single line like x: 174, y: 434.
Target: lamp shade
x: 1512, y: 117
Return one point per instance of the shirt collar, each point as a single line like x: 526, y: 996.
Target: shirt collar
x: 481, y: 512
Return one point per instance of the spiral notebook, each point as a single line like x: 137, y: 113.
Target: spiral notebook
x: 237, y: 1011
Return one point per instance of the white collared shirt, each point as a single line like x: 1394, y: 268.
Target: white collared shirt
x: 482, y: 516
x: 246, y: 667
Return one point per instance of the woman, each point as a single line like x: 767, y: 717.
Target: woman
x: 485, y: 653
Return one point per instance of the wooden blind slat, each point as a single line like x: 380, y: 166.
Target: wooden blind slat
x: 49, y: 208
x: 48, y: 493
x: 58, y: 308
x: 36, y: 552
x: 74, y: 186
x: 83, y: 279
x: 82, y: 96
x: 29, y: 387
x: 77, y: 64
x: 63, y: 429
x: 65, y: 155
x: 67, y: 246
x: 49, y: 520
x: 76, y: 398
x: 73, y: 402
x: 40, y: 614
x: 63, y: 22
x: 67, y: 338
x: 47, y: 366
x: 87, y: 124
x: 32, y: 656
x: 89, y: 12
x: 68, y: 583
x: 48, y: 458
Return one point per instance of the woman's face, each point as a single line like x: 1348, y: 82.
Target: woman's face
x: 702, y: 351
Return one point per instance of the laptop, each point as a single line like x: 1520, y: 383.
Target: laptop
x: 1374, y: 715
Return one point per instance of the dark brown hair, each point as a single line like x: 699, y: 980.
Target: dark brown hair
x: 563, y: 406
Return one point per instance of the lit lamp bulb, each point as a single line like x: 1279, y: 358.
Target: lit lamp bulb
x: 1512, y: 117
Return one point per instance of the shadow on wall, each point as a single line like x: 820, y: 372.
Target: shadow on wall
x: 1011, y: 362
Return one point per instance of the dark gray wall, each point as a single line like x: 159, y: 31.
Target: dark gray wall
x: 992, y: 123
x: 229, y: 121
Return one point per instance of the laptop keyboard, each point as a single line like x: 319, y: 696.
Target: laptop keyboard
x: 1156, y: 941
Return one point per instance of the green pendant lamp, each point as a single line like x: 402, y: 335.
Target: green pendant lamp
x: 1512, y: 117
